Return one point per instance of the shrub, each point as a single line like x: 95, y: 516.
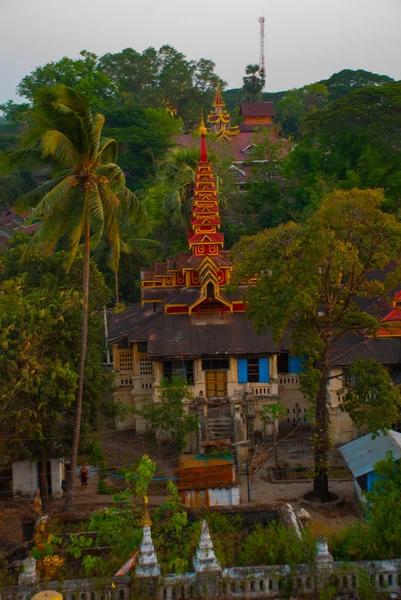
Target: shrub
x: 275, y: 544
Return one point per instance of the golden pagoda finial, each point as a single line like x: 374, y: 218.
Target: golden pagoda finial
x: 202, y: 128
x: 218, y: 99
x: 146, y: 520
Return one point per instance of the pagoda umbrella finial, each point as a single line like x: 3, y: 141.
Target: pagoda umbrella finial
x: 203, y: 132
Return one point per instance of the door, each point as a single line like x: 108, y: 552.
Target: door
x: 216, y: 384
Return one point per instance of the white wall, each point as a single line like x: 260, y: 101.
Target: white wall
x: 25, y: 478
x: 26, y: 481
x: 213, y: 497
x: 57, y: 471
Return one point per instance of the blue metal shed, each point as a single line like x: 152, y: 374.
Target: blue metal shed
x: 362, y: 454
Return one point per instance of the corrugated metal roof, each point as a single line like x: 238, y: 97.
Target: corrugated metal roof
x: 362, y: 454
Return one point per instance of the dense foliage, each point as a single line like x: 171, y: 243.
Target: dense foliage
x: 41, y: 329
x: 308, y: 278
x: 369, y: 396
x: 168, y: 417
x: 380, y: 537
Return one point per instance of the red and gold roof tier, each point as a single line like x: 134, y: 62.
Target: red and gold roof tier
x: 194, y: 281
x: 391, y: 323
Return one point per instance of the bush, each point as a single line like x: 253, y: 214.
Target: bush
x: 277, y: 545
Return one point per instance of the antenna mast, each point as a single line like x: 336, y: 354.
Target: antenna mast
x: 262, y: 45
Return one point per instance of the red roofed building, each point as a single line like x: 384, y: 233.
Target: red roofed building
x: 11, y: 223
x: 238, y: 141
x: 256, y: 114
x: 188, y: 323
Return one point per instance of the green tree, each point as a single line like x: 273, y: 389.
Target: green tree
x: 342, y: 83
x: 175, y: 183
x: 308, y: 278
x: 167, y: 416
x: 356, y: 140
x: 253, y: 83
x: 44, y: 278
x: 83, y: 198
x: 378, y: 538
x: 297, y: 103
x: 370, y: 398
x: 37, y: 381
x: 144, y: 135
x: 83, y: 74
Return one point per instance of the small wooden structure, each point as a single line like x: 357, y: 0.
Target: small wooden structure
x: 207, y: 481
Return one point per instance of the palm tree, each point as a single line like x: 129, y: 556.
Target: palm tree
x: 253, y: 82
x: 83, y: 198
x: 178, y: 174
x: 129, y: 240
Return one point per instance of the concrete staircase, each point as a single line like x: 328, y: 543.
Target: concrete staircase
x: 220, y: 428
x: 220, y: 424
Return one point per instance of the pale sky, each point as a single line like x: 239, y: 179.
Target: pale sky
x: 306, y: 40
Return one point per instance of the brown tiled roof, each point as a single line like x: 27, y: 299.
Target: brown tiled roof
x: 386, y: 351
x: 232, y: 335
x: 257, y: 109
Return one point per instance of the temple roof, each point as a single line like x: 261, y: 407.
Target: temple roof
x: 210, y: 336
x: 257, y: 109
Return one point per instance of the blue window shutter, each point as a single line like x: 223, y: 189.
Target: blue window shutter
x: 294, y: 364
x: 264, y: 370
x: 242, y: 370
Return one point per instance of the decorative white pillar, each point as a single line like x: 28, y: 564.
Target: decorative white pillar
x: 324, y: 560
x: 146, y: 564
x: 205, y: 559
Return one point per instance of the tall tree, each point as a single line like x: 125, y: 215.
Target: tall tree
x: 81, y: 201
x: 253, y: 83
x: 83, y: 74
x: 308, y: 280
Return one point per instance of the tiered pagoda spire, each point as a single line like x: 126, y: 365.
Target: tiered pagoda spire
x: 194, y: 281
x: 204, y: 238
x: 220, y: 119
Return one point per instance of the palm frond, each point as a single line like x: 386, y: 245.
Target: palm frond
x: 94, y: 204
x: 132, y: 208
x: 57, y: 145
x: 25, y: 158
x: 31, y: 199
x: 55, y: 198
x: 114, y: 175
x: 108, y: 150
x: 94, y: 136
x: 76, y: 223
x: 9, y: 189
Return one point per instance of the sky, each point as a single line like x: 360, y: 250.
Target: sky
x: 305, y: 40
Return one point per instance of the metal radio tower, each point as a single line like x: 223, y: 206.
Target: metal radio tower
x: 262, y: 43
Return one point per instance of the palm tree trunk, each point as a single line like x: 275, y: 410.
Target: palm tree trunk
x: 81, y: 370
x: 116, y: 286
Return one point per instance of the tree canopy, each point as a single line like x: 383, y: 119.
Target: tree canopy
x: 355, y: 140
x: 308, y: 279
x: 369, y: 397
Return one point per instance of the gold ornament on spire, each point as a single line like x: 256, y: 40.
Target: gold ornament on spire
x: 202, y: 129
x: 146, y: 520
